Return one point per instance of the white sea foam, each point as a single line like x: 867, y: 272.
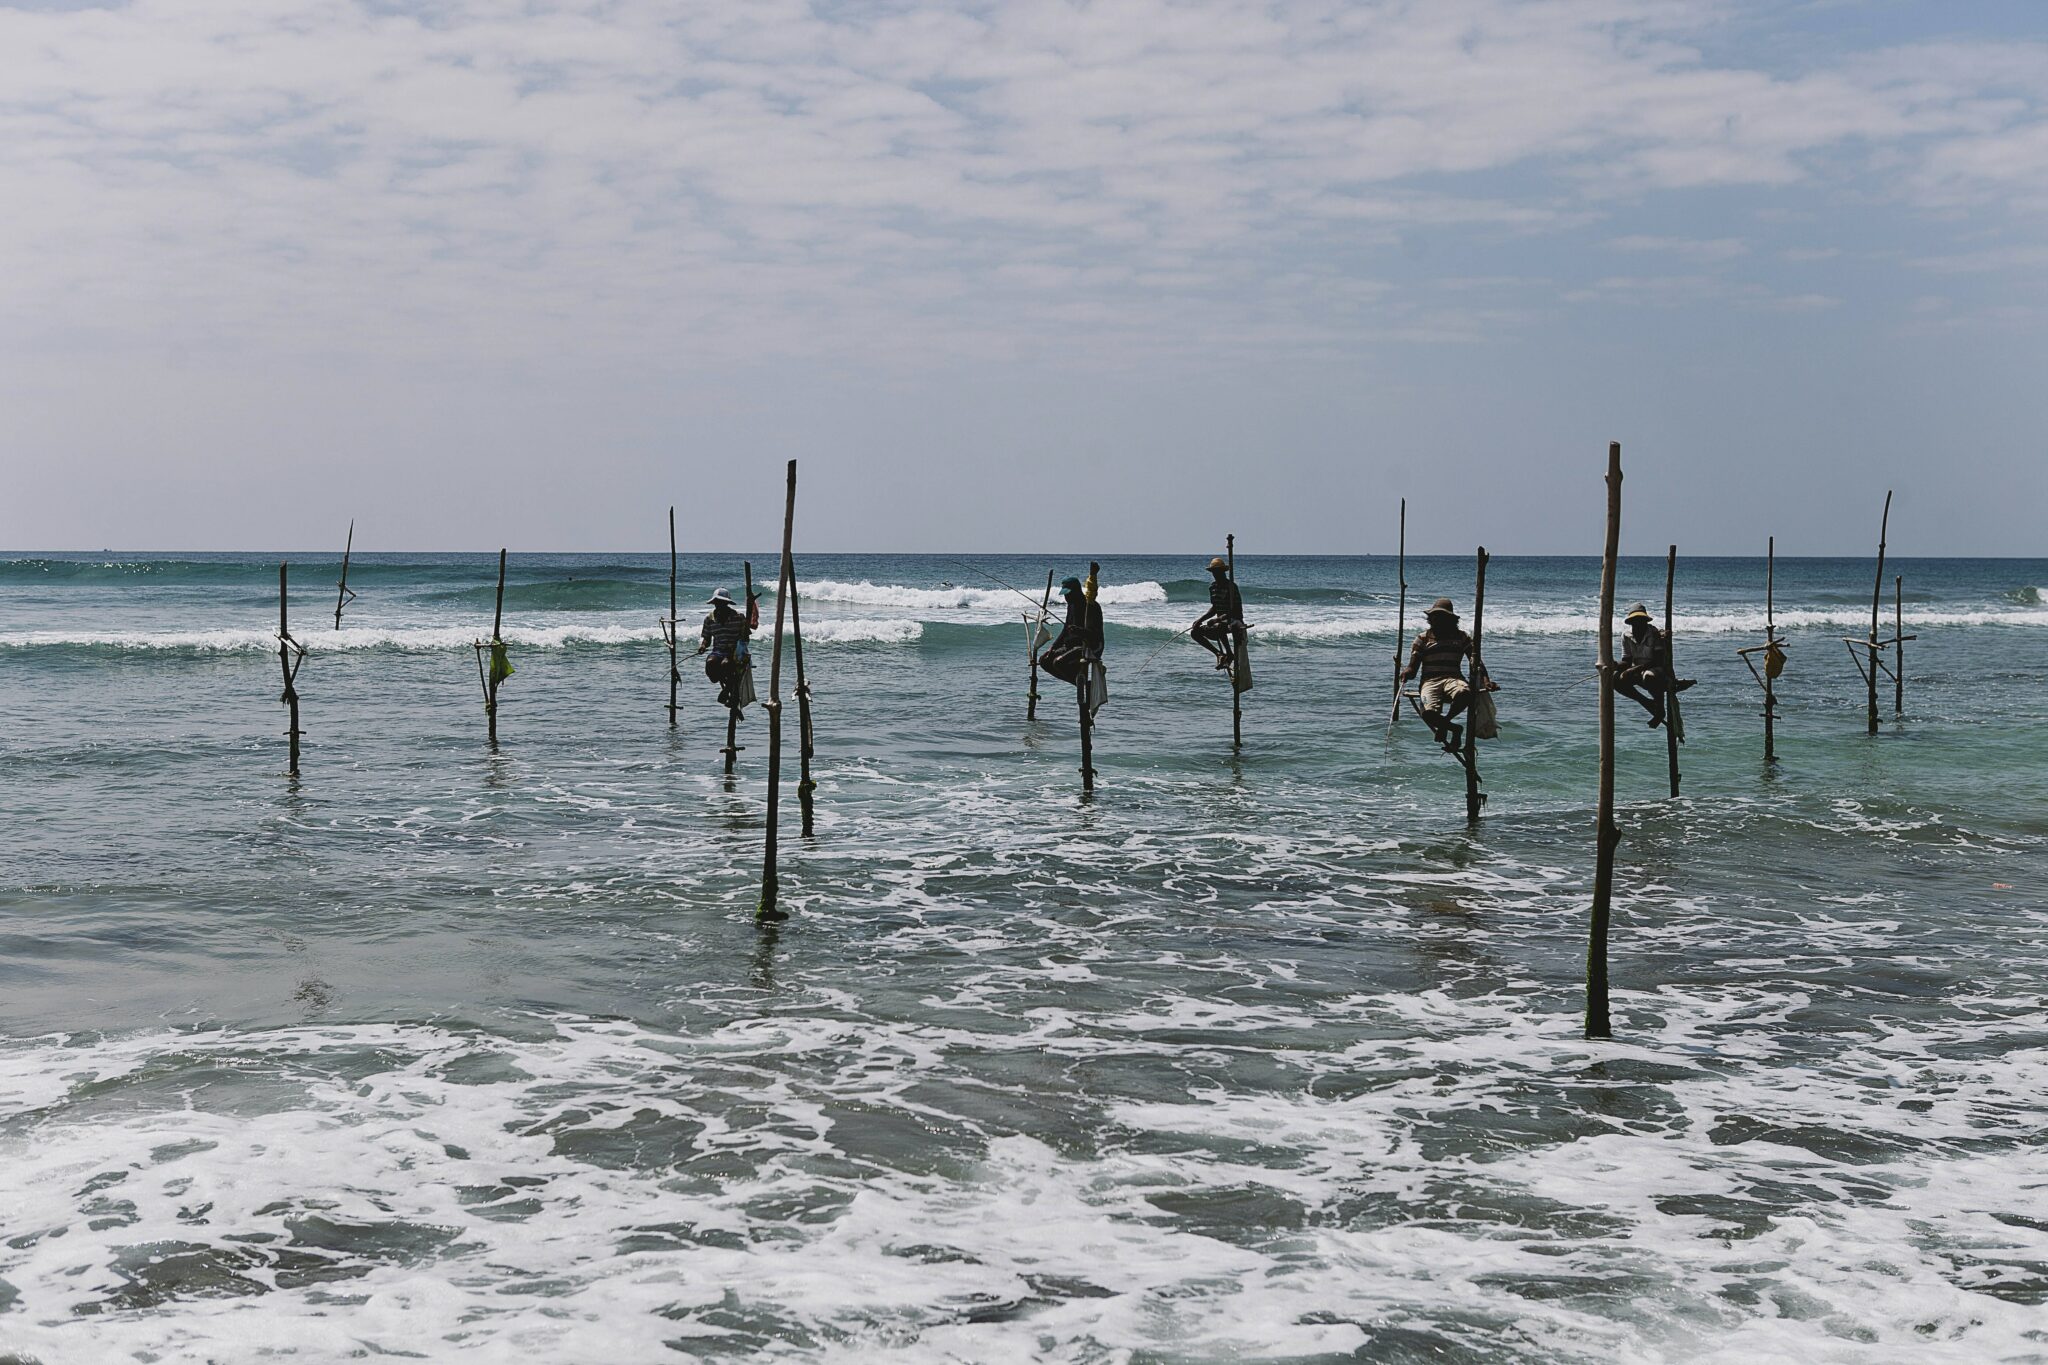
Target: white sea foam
x: 228, y: 640
x: 1005, y: 601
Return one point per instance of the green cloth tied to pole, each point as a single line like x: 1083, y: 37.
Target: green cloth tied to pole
x: 501, y: 662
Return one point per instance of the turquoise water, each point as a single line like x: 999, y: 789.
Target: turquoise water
x: 478, y: 1054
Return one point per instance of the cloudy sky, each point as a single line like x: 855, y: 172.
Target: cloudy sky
x: 1023, y: 275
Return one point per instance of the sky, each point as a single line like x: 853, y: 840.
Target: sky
x: 1029, y: 275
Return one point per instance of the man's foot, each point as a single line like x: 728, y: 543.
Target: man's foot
x: 1453, y: 737
x: 1682, y: 684
x: 1222, y: 662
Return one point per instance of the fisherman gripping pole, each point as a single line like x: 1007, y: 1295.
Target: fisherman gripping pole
x: 1607, y: 835
x: 290, y: 654
x: 767, y: 909
x: 345, y: 594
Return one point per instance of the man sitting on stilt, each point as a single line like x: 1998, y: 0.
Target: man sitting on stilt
x: 1438, y: 656
x: 724, y: 637
x: 1645, y: 670
x: 1216, y: 629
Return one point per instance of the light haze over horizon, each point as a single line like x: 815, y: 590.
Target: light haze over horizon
x: 1023, y: 275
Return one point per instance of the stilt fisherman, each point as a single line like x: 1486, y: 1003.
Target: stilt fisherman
x: 1080, y: 639
x: 1216, y: 629
x: 723, y: 641
x: 1646, y: 673
x: 1438, y: 657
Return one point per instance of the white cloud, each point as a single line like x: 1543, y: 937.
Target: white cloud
x: 622, y: 179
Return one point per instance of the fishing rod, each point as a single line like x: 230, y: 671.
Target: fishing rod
x: 1036, y: 608
x: 1161, y: 650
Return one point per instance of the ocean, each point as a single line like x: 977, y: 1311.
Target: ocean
x: 450, y: 1052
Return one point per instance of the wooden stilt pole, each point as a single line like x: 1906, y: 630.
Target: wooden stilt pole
x: 1474, y: 798
x: 1400, y: 623
x: 343, y: 596
x: 804, y: 785
x: 1087, y: 734
x: 1031, y: 637
x: 675, y: 672
x: 1899, y: 648
x: 289, y: 654
x: 1607, y: 835
x: 1236, y: 697
x: 767, y: 908
x: 1876, y: 599
x: 732, y: 713
x: 491, y: 678
x: 1672, y: 724
x: 1770, y: 638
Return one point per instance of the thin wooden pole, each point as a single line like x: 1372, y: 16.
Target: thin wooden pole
x: 1770, y: 639
x: 675, y: 672
x: 767, y: 909
x: 1236, y: 697
x: 1400, y: 622
x: 1607, y: 835
x: 1473, y: 798
x: 497, y: 643
x: 1899, y: 647
x: 287, y: 665
x: 1031, y: 700
x: 1087, y: 733
x: 1671, y: 721
x: 804, y: 785
x: 732, y: 713
x: 342, y: 594
x: 1876, y: 598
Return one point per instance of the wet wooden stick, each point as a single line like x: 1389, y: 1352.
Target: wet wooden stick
x: 290, y: 654
x: 675, y: 672
x: 1876, y: 600
x: 1899, y: 645
x: 1672, y: 724
x: 1607, y: 835
x: 1236, y: 696
x: 343, y: 596
x: 1400, y: 623
x: 804, y: 785
x: 1032, y: 637
x: 1770, y: 639
x: 767, y: 909
x: 491, y: 676
x: 1474, y: 798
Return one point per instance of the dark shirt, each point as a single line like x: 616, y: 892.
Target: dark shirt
x: 1648, y: 652
x: 1224, y: 601
x: 1083, y: 628
x: 723, y: 629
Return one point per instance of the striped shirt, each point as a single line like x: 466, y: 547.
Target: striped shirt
x: 723, y: 629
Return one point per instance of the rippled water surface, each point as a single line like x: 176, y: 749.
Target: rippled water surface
x: 456, y: 1053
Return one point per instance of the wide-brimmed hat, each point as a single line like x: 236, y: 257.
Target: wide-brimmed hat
x: 1442, y: 607
x: 1637, y: 610
x: 1219, y: 562
x: 721, y: 598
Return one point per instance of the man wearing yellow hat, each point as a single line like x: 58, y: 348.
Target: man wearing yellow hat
x: 1645, y: 671
x: 1216, y: 629
x: 1438, y: 656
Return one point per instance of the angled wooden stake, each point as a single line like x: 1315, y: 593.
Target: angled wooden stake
x: 1033, y: 631
x: 493, y: 664
x: 1474, y: 798
x: 1236, y: 694
x: 1770, y: 639
x: 767, y: 909
x: 1673, y: 726
x: 804, y: 785
x: 290, y: 654
x: 1876, y: 599
x: 1400, y: 624
x: 343, y: 596
x: 671, y: 626
x: 1598, y: 1021
x: 1899, y: 648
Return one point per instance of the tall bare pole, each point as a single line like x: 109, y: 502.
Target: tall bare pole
x: 1672, y: 725
x: 1236, y: 696
x: 289, y: 655
x: 342, y: 596
x: 1899, y: 649
x: 1770, y: 638
x: 1473, y: 797
x: 1032, y: 636
x: 491, y: 677
x: 804, y: 785
x: 1607, y: 834
x: 767, y: 909
x: 675, y: 672
x: 1400, y: 622
x: 1876, y: 599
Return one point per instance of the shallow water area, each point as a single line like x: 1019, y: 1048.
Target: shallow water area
x: 474, y: 1053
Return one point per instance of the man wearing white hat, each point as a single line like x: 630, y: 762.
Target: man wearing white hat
x: 724, y: 641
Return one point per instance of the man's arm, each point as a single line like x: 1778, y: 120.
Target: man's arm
x: 1414, y: 660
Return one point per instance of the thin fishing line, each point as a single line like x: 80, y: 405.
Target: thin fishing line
x: 1043, y: 609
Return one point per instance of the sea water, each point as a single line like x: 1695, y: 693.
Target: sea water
x: 451, y: 1052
